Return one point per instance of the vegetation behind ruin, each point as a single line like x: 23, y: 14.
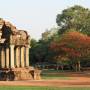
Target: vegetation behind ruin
x: 67, y: 46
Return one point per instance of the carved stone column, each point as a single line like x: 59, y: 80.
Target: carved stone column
x: 22, y: 57
x: 27, y: 57
x: 7, y: 58
x: 12, y: 56
x: 18, y: 57
x: 2, y: 58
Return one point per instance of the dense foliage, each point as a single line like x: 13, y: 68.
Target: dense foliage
x: 77, y: 18
x: 68, y: 44
x: 73, y: 46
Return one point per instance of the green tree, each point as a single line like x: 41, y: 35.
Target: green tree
x: 32, y: 56
x: 39, y: 51
x: 76, y: 17
x: 50, y: 34
x: 33, y: 43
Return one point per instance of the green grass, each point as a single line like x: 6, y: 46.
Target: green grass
x: 54, y: 71
x: 53, y: 74
x: 41, y: 88
x: 50, y: 76
x: 27, y: 88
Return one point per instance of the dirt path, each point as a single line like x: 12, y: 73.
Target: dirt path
x: 73, y: 82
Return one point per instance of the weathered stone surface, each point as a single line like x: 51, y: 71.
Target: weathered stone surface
x: 12, y: 34
x: 14, y: 54
x: 20, y: 74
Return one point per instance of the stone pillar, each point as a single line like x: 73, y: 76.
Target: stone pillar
x: 22, y: 57
x: 2, y: 58
x: 12, y: 56
x: 27, y: 57
x: 17, y: 57
x: 7, y: 58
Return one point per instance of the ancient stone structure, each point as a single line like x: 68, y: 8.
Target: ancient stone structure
x: 14, y: 53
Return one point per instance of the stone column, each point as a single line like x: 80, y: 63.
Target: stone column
x: 27, y: 57
x: 7, y: 58
x: 17, y: 56
x: 2, y: 58
x: 22, y: 57
x: 12, y: 56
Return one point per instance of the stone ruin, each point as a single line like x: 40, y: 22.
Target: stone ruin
x: 14, y: 54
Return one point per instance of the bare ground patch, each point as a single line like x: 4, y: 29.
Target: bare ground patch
x: 73, y: 82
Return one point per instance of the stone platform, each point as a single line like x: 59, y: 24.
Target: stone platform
x: 19, y: 74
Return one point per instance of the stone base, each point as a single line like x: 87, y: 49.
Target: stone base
x: 20, y: 74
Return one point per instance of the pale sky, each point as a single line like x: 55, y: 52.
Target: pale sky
x: 35, y: 16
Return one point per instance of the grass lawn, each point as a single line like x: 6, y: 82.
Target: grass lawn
x: 27, y: 88
x: 41, y: 88
x: 50, y: 76
x: 54, y: 71
x: 53, y: 74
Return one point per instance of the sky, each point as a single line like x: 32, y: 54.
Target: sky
x: 35, y: 16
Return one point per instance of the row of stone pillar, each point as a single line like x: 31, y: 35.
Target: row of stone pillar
x: 12, y: 57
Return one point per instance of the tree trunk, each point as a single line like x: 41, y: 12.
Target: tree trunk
x: 76, y: 67
x: 57, y: 67
x: 62, y: 67
x: 79, y: 66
